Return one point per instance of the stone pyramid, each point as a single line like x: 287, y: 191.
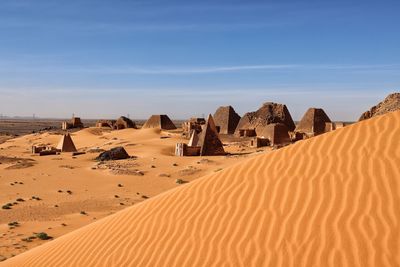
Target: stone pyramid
x: 162, y: 122
x: 66, y: 144
x: 209, y: 140
x: 194, y: 138
x: 226, y: 119
x: 313, y: 122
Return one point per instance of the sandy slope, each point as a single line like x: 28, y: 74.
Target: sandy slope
x: 94, y: 191
x: 333, y: 200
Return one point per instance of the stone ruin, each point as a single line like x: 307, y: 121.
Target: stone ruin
x: 106, y: 123
x: 253, y: 123
x: 207, y: 143
x: 277, y: 134
x: 124, y: 123
x: 193, y: 124
x: 251, y: 132
x: 119, y: 124
x: 314, y: 122
x: 391, y: 103
x: 65, y: 145
x: 162, y: 122
x: 44, y: 150
x: 226, y: 119
x: 74, y: 123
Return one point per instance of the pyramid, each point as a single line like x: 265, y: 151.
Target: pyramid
x: 391, y: 103
x: 226, y: 119
x: 194, y: 138
x: 209, y: 140
x: 124, y: 123
x: 268, y: 113
x: 162, y: 122
x: 313, y: 122
x: 66, y: 144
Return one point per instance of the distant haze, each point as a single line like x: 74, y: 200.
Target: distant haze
x: 103, y: 59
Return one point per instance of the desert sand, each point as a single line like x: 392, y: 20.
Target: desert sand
x: 75, y: 191
x: 333, y: 200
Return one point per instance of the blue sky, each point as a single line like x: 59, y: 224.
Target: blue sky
x: 186, y: 58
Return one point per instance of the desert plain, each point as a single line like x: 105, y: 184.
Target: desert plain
x: 331, y: 198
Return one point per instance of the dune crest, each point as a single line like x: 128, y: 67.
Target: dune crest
x: 333, y: 200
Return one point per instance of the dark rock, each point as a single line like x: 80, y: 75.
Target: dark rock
x: 115, y: 153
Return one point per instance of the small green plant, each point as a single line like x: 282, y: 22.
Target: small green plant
x: 179, y: 181
x: 43, y: 236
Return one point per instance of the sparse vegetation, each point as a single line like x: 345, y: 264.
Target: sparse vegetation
x: 20, y: 200
x: 179, y: 181
x: 13, y: 224
x: 43, y: 236
x: 7, y: 206
x: 83, y: 212
x: 28, y: 239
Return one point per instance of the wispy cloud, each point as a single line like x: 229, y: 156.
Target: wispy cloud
x: 193, y: 70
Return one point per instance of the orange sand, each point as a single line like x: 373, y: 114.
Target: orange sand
x: 333, y: 200
x: 93, y: 190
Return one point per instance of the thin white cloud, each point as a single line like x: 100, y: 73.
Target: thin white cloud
x: 187, y: 70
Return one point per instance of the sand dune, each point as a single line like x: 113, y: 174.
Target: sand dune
x: 333, y: 200
x: 97, y: 190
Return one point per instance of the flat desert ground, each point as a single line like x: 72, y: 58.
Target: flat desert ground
x: 76, y: 191
x: 333, y: 200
